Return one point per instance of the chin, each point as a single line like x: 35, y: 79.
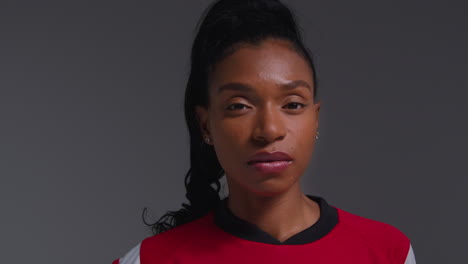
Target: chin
x: 270, y: 187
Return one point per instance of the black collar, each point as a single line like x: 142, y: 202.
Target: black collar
x: 236, y: 226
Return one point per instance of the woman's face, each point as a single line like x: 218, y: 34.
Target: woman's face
x: 261, y: 99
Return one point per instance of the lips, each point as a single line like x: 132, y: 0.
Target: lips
x: 269, y: 157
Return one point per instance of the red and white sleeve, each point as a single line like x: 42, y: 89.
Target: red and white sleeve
x: 410, y: 259
x: 132, y: 256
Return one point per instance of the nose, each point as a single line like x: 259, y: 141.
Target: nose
x: 269, y: 125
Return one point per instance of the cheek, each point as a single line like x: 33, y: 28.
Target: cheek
x: 230, y: 137
x: 229, y: 131
x: 303, y: 138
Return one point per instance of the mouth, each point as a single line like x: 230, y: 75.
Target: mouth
x: 270, y: 162
x: 267, y: 161
x: 270, y: 167
x: 269, y: 157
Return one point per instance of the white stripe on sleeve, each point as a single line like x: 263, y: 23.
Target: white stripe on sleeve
x: 410, y: 259
x: 132, y: 257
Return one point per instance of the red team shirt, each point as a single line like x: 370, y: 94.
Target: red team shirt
x: 220, y: 237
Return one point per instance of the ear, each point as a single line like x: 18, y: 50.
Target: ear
x: 202, y: 118
x: 317, y: 112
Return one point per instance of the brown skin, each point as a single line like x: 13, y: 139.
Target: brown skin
x: 241, y: 123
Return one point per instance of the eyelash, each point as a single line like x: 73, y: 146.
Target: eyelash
x: 302, y: 106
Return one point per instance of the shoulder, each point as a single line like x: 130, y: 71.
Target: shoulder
x: 165, y: 244
x: 371, y: 230
x: 379, y: 236
x: 179, y: 236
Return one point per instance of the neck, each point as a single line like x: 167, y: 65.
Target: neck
x: 282, y: 215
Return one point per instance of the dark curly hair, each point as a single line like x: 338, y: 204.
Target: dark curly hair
x: 225, y: 26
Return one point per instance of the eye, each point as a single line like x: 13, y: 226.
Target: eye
x: 230, y: 108
x: 295, y: 104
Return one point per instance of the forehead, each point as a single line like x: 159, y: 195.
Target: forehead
x: 272, y: 61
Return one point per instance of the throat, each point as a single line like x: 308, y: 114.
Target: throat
x: 280, y: 219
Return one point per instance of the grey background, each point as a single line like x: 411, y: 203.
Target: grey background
x: 92, y: 127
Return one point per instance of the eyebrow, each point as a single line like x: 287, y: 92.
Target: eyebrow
x: 235, y: 86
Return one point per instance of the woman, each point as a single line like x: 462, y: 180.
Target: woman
x: 252, y: 112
